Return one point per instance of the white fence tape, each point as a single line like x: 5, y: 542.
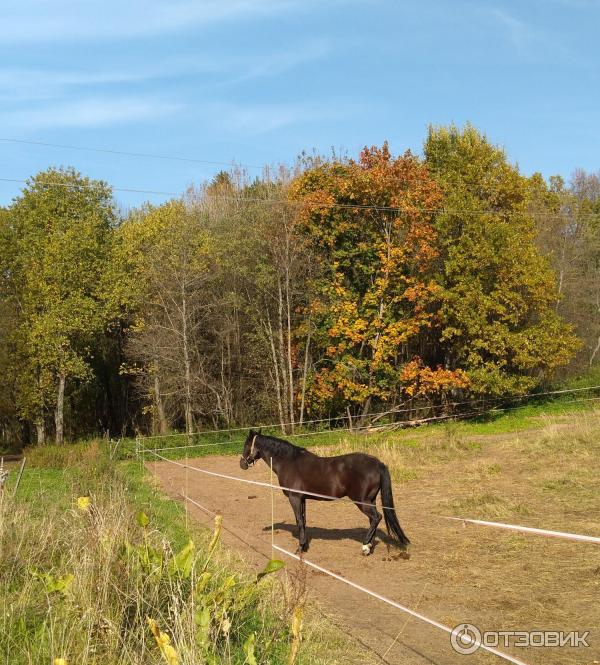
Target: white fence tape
x: 393, y: 603
x: 500, y: 525
x: 527, y: 529
x: 564, y: 391
x: 366, y: 428
x: 260, y: 483
x: 421, y: 617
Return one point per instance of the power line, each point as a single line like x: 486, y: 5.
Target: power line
x: 507, y: 214
x: 323, y: 204
x: 125, y: 153
x: 69, y: 185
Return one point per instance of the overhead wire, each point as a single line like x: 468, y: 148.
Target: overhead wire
x: 547, y: 393
x: 125, y: 153
x: 507, y: 214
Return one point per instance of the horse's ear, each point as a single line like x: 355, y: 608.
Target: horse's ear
x: 251, y: 432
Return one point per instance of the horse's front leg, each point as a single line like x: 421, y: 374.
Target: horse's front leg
x: 299, y: 506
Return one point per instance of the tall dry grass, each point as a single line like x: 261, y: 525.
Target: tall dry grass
x: 91, y: 580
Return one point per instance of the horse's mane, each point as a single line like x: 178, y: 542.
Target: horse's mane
x: 281, y: 447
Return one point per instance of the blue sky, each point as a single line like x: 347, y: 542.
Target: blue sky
x: 258, y: 81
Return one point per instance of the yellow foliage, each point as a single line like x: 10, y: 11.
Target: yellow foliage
x: 164, y: 643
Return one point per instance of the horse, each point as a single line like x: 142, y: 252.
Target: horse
x: 304, y: 475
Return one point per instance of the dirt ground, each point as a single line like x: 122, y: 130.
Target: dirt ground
x: 494, y: 579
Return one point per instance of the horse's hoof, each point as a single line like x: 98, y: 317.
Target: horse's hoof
x: 366, y: 549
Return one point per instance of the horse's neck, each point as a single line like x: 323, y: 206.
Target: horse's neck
x: 277, y: 463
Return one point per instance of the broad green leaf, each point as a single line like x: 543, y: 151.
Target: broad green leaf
x: 183, y: 562
x: 272, y: 566
x: 142, y: 519
x: 249, y: 649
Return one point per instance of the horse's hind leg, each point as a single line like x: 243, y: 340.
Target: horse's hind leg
x: 299, y: 506
x: 374, y: 518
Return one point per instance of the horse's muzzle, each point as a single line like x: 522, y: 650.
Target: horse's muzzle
x: 243, y: 463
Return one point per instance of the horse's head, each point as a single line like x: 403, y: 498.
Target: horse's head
x: 250, y: 453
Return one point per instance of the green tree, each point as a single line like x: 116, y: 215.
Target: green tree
x: 568, y: 233
x: 369, y: 224
x: 498, y: 319
x: 8, y: 322
x: 62, y: 230
x: 159, y: 275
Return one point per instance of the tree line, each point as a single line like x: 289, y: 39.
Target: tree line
x: 339, y: 286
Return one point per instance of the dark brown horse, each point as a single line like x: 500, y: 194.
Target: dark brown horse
x: 305, y: 475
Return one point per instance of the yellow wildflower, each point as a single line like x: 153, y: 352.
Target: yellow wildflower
x: 164, y: 643
x: 216, y: 533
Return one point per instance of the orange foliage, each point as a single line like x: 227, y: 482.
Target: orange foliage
x: 422, y: 380
x: 375, y: 291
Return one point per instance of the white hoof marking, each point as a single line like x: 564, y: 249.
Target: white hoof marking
x: 366, y: 549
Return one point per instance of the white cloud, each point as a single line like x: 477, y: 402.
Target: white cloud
x: 276, y: 63
x: 79, y: 20
x: 18, y: 84
x: 519, y: 32
x: 256, y: 119
x: 23, y: 84
x: 534, y: 43
x: 95, y: 112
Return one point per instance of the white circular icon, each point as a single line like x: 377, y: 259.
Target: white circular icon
x: 465, y: 638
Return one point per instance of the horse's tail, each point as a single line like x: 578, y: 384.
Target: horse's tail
x: 391, y: 520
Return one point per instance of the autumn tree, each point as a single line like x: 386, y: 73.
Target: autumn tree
x: 160, y: 269
x: 61, y: 227
x: 498, y: 318
x: 8, y: 324
x: 567, y: 217
x: 586, y: 189
x: 370, y: 225
x: 263, y: 264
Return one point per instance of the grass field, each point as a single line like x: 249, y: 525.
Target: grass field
x: 80, y: 581
x: 500, y: 417
x: 533, y: 467
x: 539, y: 470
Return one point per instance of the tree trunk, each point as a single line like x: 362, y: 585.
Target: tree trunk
x: 160, y: 409
x: 289, y: 345
x: 285, y: 393
x: 60, y: 410
x: 40, y: 429
x: 365, y: 410
x: 189, y: 426
x: 278, y: 389
x: 594, y: 352
x: 305, y: 372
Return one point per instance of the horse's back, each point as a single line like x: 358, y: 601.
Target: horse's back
x: 342, y: 475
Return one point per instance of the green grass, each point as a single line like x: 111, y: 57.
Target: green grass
x: 159, y: 508
x: 123, y: 572
x: 506, y: 419
x: 586, y: 380
x: 116, y: 580
x: 522, y: 417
